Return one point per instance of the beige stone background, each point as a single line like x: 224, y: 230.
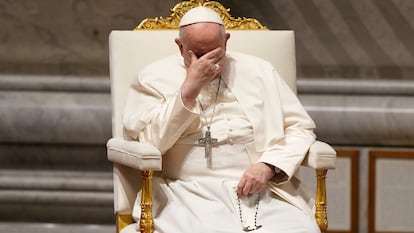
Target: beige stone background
x: 355, y: 63
x: 335, y: 38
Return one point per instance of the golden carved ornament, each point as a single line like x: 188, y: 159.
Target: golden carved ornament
x: 172, y: 22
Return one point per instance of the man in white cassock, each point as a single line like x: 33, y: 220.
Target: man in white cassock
x: 232, y: 135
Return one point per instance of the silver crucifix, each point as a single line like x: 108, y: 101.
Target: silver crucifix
x: 207, y: 141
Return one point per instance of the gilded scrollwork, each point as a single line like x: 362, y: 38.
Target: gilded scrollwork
x: 320, y: 200
x: 172, y: 21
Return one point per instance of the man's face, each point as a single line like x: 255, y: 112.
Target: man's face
x: 201, y: 38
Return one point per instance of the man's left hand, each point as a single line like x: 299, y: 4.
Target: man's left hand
x: 255, y: 178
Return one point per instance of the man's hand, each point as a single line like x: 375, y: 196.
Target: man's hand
x: 202, y: 67
x: 199, y: 72
x: 255, y: 178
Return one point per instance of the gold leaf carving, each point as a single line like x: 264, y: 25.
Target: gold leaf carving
x: 172, y: 21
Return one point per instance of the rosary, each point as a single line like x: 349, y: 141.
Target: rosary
x: 207, y: 141
x: 249, y: 228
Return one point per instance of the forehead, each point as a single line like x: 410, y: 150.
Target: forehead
x: 207, y: 32
x: 203, y: 36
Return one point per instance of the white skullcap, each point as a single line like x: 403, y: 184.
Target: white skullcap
x: 200, y: 14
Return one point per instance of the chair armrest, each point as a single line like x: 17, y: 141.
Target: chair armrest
x: 130, y: 158
x: 320, y: 156
x: 133, y: 154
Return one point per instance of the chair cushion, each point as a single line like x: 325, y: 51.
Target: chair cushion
x: 320, y: 156
x: 134, y: 154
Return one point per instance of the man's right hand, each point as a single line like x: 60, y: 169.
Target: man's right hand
x: 199, y: 72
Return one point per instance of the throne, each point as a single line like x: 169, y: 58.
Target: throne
x: 133, y: 161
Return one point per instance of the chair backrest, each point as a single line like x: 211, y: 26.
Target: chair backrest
x: 131, y: 50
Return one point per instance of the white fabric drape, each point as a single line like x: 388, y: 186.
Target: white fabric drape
x: 281, y: 129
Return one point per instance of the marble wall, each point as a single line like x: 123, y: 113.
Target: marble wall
x: 65, y: 37
x: 335, y: 39
x: 343, y: 38
x: 357, y: 51
x: 355, y: 61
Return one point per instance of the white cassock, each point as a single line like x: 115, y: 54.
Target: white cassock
x: 256, y: 118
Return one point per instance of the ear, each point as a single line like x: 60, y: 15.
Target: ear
x: 180, y: 45
x: 227, y: 37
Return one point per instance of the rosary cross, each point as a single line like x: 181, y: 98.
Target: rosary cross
x: 251, y: 228
x: 207, y: 141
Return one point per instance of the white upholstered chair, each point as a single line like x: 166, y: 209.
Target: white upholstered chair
x: 133, y: 162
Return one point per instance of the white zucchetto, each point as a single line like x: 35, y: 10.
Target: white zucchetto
x: 200, y: 14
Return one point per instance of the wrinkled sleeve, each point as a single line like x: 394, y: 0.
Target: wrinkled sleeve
x: 154, y: 112
x: 288, y: 152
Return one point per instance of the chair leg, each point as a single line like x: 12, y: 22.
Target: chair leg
x: 146, y: 223
x: 320, y: 202
x: 122, y: 220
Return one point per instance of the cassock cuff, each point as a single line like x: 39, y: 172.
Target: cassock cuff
x: 280, y: 176
x: 196, y: 109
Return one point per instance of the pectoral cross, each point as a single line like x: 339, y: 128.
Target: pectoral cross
x: 207, y: 141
